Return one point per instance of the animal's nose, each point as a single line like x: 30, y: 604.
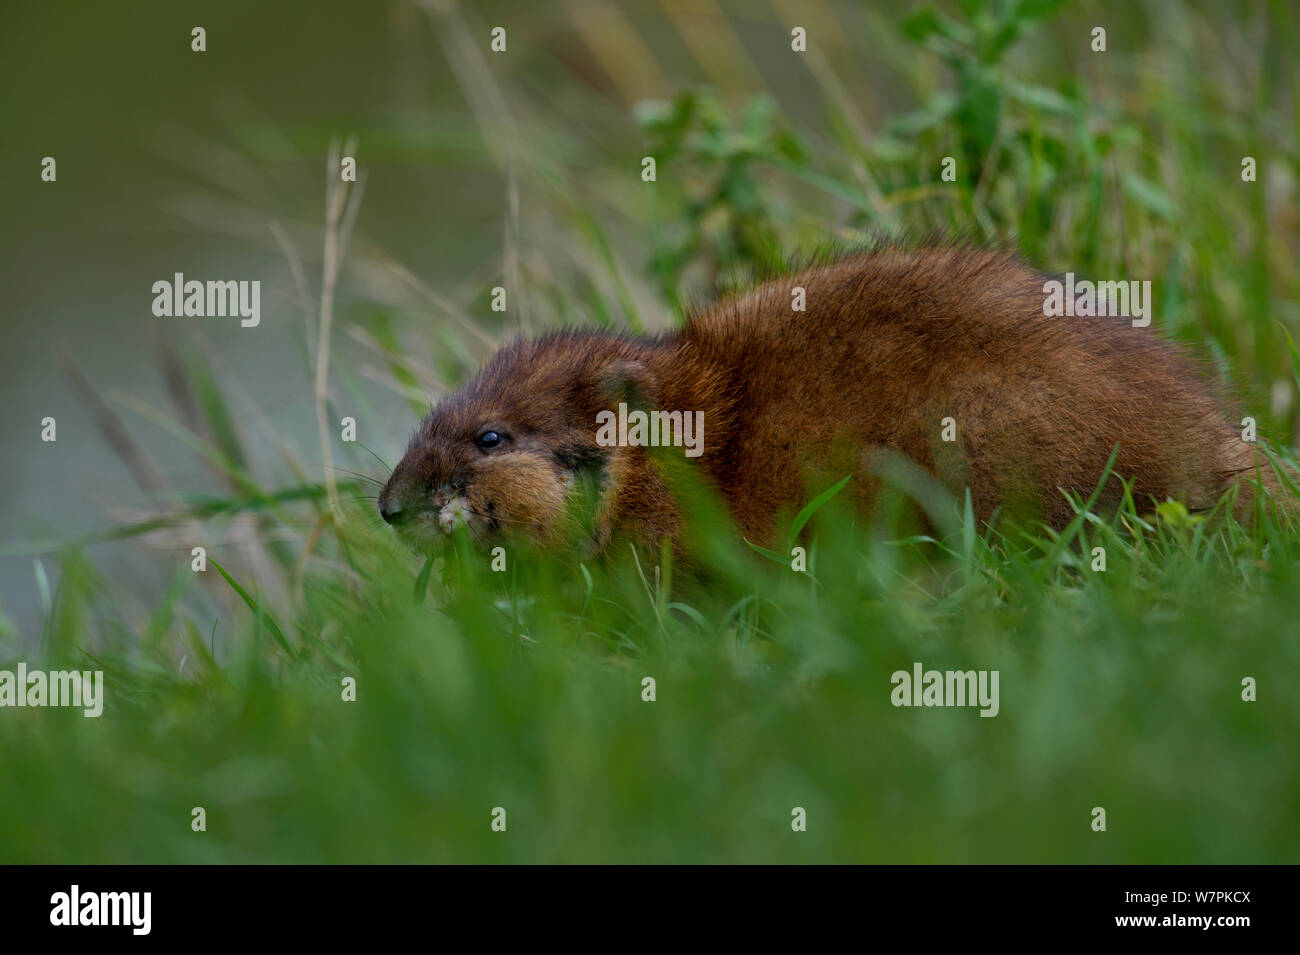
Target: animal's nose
x: 392, y: 513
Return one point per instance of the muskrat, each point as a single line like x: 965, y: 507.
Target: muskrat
x: 892, y: 345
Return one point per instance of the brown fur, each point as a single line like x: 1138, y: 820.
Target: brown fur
x: 890, y: 344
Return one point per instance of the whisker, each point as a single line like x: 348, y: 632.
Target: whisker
x: 386, y: 465
x: 358, y: 474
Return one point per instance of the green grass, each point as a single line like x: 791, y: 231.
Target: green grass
x: 523, y: 689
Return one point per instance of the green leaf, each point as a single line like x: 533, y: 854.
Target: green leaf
x: 968, y: 530
x: 921, y: 24
x: 1043, y: 98
x: 1037, y: 9
x: 813, y: 506
x: 978, y: 114
x: 422, y: 579
x: 1175, y: 514
x: 692, y: 613
x: 253, y: 605
x: 927, y: 22
x: 769, y: 554
x: 1072, y: 529
x: 1151, y: 196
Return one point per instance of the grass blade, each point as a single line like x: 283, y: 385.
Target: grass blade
x: 257, y: 609
x: 813, y: 506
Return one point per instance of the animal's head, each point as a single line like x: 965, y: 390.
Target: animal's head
x: 502, y: 455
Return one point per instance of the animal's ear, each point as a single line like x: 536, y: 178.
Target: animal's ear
x: 630, y: 382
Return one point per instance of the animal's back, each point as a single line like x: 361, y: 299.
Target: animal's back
x: 891, y: 344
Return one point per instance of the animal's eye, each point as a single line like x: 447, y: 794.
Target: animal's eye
x: 488, y: 439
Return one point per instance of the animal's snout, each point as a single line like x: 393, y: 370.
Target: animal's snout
x: 391, y: 507
x: 397, y: 508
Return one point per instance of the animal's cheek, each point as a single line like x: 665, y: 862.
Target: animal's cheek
x: 518, y: 489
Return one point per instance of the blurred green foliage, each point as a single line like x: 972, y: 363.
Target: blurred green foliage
x: 523, y: 689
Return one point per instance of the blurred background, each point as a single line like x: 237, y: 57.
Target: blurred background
x: 522, y: 168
